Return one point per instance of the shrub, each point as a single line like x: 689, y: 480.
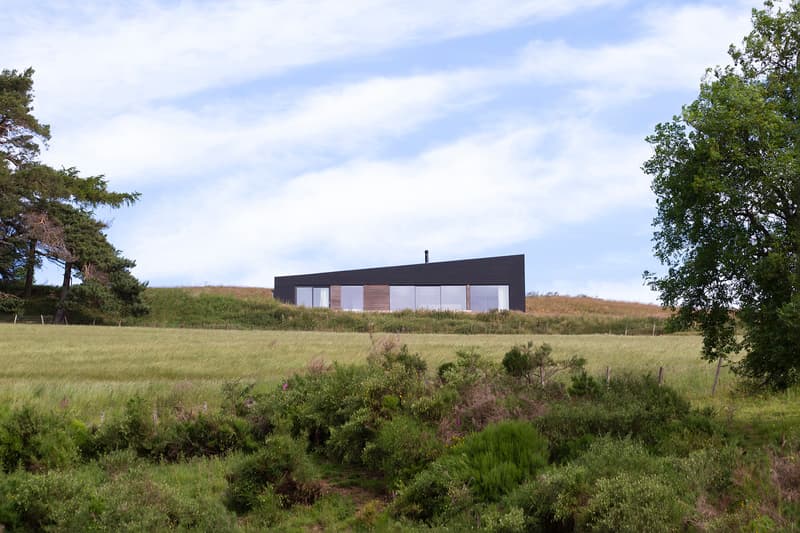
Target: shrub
x: 501, y: 456
x: 282, y: 465
x: 402, y: 447
x: 136, y: 429
x: 203, y: 435
x: 584, y: 385
x: 35, y: 441
x: 631, y: 503
x: 518, y: 361
x: 482, y: 468
x: 440, y: 490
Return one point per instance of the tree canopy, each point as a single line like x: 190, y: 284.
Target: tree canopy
x: 49, y: 213
x: 726, y: 175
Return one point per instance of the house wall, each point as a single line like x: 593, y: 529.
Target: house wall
x: 376, y: 297
x: 505, y: 270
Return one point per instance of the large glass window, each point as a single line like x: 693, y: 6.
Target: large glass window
x: 428, y: 298
x: 488, y: 297
x: 352, y: 297
x: 303, y: 296
x: 322, y: 297
x: 401, y: 297
x: 454, y: 297
x: 313, y: 296
x: 502, y: 297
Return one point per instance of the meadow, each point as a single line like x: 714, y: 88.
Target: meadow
x: 154, y: 429
x: 96, y: 369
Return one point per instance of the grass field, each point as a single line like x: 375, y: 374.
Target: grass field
x: 96, y: 369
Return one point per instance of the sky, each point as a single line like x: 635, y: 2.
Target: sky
x: 285, y: 137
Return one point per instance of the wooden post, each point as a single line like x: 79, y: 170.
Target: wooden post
x: 608, y: 375
x: 15, y: 319
x: 654, y: 329
x: 626, y: 330
x: 42, y: 317
x: 660, y: 375
x: 716, y: 377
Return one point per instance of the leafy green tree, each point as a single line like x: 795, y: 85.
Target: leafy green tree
x: 726, y: 174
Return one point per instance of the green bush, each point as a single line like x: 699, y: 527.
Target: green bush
x: 35, y: 441
x: 440, y: 490
x: 203, y: 435
x: 518, y: 361
x: 501, y: 457
x: 402, y: 447
x: 630, y: 405
x: 482, y: 468
x: 613, y: 483
x: 280, y: 466
x: 631, y: 503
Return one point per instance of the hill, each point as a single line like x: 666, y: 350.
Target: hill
x: 586, y: 306
x: 217, y: 307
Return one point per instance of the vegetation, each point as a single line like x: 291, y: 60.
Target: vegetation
x: 49, y: 214
x: 241, y: 308
x: 391, y: 445
x: 725, y: 177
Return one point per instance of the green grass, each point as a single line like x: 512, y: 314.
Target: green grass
x: 229, y: 308
x: 100, y: 363
x: 94, y: 370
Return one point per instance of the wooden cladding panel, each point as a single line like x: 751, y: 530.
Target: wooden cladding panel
x: 376, y: 297
x: 336, y: 297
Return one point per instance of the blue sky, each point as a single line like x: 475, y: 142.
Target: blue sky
x: 272, y: 138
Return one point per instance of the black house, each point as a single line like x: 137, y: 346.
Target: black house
x: 468, y: 285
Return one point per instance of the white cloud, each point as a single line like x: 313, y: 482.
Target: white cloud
x: 169, y: 143
x: 674, y: 50
x: 493, y: 189
x: 111, y: 56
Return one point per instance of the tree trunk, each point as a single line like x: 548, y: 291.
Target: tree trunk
x: 61, y: 314
x: 30, y: 266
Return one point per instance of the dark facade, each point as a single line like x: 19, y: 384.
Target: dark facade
x: 468, y: 285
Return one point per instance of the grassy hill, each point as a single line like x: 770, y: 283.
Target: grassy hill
x: 218, y: 307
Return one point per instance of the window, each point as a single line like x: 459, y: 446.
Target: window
x: 352, y: 297
x: 313, y: 296
x: 303, y: 296
x: 488, y: 297
x: 322, y: 297
x: 428, y: 298
x: 401, y: 297
x: 454, y: 297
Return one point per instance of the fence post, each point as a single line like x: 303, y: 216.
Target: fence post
x: 608, y: 375
x: 654, y: 329
x: 660, y: 375
x: 42, y: 317
x: 15, y: 319
x: 716, y: 377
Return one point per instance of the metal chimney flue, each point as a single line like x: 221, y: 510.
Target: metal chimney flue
x: 426, y: 256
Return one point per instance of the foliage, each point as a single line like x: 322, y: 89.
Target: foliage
x: 95, y: 499
x: 482, y: 468
x: 35, y: 441
x: 525, y: 361
x: 500, y: 457
x: 616, y: 484
x: 402, y: 447
x: 280, y: 468
x: 49, y: 213
x: 724, y: 174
